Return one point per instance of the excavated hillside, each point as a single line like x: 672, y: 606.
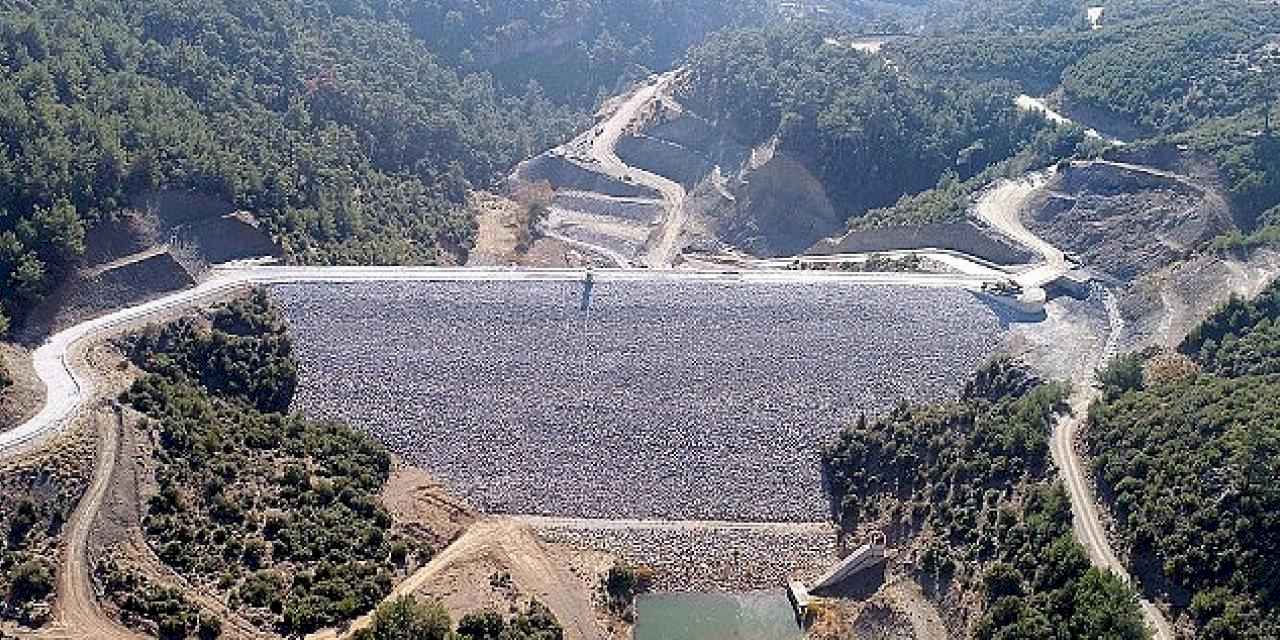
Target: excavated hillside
x: 1124, y: 219
x: 1144, y: 222
x: 653, y: 178
x: 164, y: 244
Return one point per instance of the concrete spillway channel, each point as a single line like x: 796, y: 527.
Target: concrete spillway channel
x: 863, y: 558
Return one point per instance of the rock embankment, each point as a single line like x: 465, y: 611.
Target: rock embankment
x: 681, y: 400
x: 1127, y: 220
x: 709, y: 558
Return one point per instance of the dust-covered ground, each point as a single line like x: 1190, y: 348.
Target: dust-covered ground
x: 24, y: 395
x: 1162, y: 307
x: 1068, y: 343
x: 504, y: 239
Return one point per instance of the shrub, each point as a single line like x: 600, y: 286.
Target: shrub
x: 625, y: 581
x: 32, y: 580
x: 1168, y: 368
x: 1002, y: 580
x: 407, y: 619
x: 535, y: 623
x: 293, y: 501
x: 399, y: 553
x: 1123, y: 374
x: 210, y: 628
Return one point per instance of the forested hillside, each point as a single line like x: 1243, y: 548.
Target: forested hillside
x: 331, y: 121
x: 969, y: 484
x: 1199, y: 74
x: 869, y: 133
x: 278, y: 515
x: 577, y: 51
x: 997, y: 16
x: 1187, y: 454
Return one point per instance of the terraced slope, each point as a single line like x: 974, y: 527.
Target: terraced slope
x: 685, y: 400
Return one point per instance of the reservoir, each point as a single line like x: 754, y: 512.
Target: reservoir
x: 757, y: 615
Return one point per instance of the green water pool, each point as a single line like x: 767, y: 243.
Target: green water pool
x: 758, y: 615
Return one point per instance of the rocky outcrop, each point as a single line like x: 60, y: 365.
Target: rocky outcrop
x: 778, y: 209
x: 226, y: 238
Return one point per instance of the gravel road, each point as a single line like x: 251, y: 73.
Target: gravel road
x: 1001, y: 206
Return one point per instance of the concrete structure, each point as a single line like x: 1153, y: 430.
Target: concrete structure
x: 865, y: 557
x: 1076, y: 283
x: 1027, y: 304
x: 800, y: 600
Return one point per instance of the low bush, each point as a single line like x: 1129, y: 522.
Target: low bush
x: 625, y: 581
x: 163, y: 611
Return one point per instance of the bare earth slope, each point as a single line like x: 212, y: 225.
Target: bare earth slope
x: 1126, y: 219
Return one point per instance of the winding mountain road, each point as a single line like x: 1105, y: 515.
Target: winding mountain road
x: 77, y: 613
x: 661, y: 250
x: 1029, y: 103
x: 1001, y: 207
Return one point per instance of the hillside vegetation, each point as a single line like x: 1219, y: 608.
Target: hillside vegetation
x: 1186, y: 455
x: 1199, y: 74
x: 278, y: 514
x: 969, y: 483
x: 330, y: 121
x: 408, y: 619
x: 870, y: 134
x: 37, y: 497
x: 577, y: 51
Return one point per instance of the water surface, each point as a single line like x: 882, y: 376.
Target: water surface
x: 757, y: 615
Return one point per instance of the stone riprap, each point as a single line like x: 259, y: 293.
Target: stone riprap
x: 662, y: 399
x: 710, y: 559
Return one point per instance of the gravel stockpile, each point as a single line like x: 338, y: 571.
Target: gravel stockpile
x: 710, y: 559
x: 665, y: 399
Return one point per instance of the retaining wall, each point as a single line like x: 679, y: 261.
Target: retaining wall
x: 965, y: 237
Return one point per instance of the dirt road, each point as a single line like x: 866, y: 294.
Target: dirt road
x: 77, y: 613
x: 1029, y: 103
x: 1001, y: 207
x: 1087, y: 521
x: 661, y: 250
x: 513, y: 544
